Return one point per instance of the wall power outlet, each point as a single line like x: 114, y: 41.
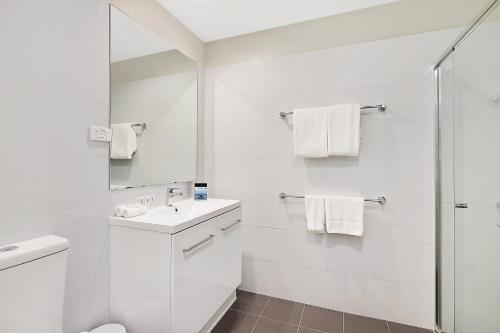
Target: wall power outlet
x: 98, y: 133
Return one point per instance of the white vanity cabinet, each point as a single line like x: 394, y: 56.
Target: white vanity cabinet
x: 180, y: 281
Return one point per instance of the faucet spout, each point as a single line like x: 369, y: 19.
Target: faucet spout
x: 171, y: 193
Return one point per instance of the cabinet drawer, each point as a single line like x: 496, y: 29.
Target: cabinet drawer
x: 194, y: 281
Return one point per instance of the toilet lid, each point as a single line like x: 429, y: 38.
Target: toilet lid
x: 109, y: 328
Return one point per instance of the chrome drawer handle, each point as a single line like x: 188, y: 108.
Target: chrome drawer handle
x: 231, y: 225
x: 200, y: 243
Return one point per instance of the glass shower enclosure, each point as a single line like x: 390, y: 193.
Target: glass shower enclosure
x: 468, y: 179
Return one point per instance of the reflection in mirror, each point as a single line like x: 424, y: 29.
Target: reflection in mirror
x: 153, y: 108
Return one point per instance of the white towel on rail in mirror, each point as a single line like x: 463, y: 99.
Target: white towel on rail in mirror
x: 123, y: 141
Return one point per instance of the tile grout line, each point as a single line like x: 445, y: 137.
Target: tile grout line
x: 301, y: 315
x: 260, y: 315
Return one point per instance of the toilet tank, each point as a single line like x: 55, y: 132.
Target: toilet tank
x: 32, y: 282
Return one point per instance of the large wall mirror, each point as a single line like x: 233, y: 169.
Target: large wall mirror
x: 153, y: 108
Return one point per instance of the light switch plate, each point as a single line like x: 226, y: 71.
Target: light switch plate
x: 98, y: 133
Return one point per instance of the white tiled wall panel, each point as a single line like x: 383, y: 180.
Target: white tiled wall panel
x: 53, y: 86
x: 389, y: 273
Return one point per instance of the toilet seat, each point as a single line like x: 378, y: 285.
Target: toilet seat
x: 109, y: 328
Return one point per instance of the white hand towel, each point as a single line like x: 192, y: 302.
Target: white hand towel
x: 344, y: 130
x: 310, y: 128
x: 344, y: 215
x: 130, y: 210
x: 315, y: 213
x: 123, y: 141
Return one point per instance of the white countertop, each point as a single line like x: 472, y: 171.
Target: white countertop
x: 167, y: 220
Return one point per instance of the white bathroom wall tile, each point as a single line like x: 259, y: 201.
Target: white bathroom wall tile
x: 86, y: 300
x: 363, y: 296
x: 391, y: 301
x: 426, y: 216
x: 25, y: 118
x: 426, y: 138
x: 425, y: 315
x: 23, y: 57
x: 275, y: 140
x: 390, y: 260
x: 24, y: 188
x: 426, y: 267
x: 426, y: 180
x: 274, y: 212
x: 476, y: 313
x: 230, y: 109
x: 292, y: 247
x: 250, y: 204
x: 477, y: 226
x: 393, y: 220
x: 479, y: 272
x: 88, y: 235
x: 68, y: 122
x: 77, y: 51
x: 238, y: 142
x: 387, y: 139
x: 235, y: 176
x: 84, y: 178
x: 23, y: 66
x: 251, y: 242
x: 298, y: 284
x: 22, y: 83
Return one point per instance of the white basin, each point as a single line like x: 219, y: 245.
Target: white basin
x: 184, y: 214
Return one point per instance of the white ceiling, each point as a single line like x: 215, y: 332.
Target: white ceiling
x: 130, y: 40
x: 218, y: 19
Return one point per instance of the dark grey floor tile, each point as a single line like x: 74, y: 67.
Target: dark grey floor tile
x: 282, y: 310
x: 235, y: 322
x: 306, y: 330
x: 359, y: 324
x: 249, y: 302
x: 271, y: 326
x: 322, y: 319
x: 401, y: 328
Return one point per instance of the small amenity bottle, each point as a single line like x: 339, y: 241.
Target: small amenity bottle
x: 200, y: 191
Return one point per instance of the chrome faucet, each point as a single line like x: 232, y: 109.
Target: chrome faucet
x: 172, y: 194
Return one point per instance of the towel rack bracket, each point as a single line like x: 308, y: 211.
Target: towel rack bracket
x: 283, y: 115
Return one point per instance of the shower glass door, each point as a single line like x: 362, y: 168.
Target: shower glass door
x: 469, y: 131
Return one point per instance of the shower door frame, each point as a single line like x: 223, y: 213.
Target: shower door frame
x: 437, y: 166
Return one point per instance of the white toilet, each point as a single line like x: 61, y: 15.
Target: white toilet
x: 32, y: 283
x: 109, y: 328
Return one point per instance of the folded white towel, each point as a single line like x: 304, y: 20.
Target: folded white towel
x: 315, y: 213
x: 344, y: 215
x: 310, y: 132
x: 343, y: 130
x: 123, y: 141
x: 130, y: 210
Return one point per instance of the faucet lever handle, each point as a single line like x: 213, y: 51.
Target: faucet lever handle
x: 172, y: 189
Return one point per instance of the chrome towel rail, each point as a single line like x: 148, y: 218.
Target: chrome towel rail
x: 380, y: 199
x: 141, y: 125
x: 380, y: 107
